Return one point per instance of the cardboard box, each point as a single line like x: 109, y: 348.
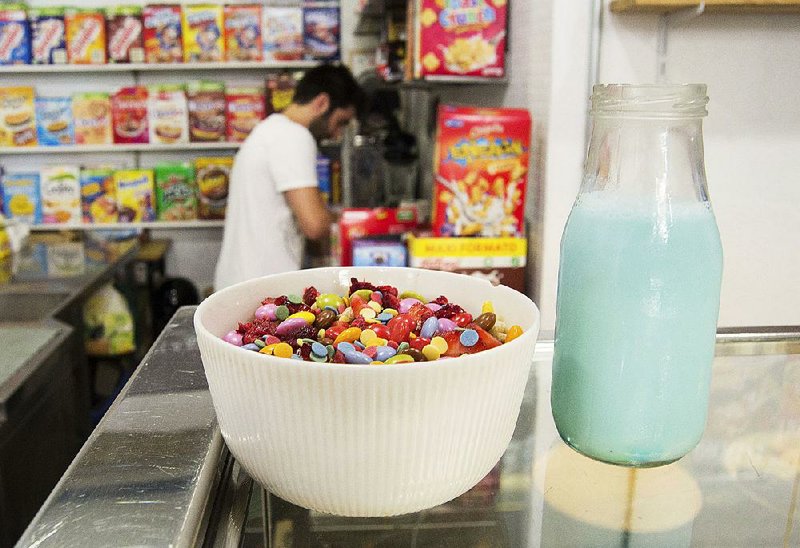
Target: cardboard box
x: 61, y: 195
x: 135, y: 195
x: 124, y: 29
x: 213, y: 178
x: 245, y: 107
x: 17, y: 117
x: 360, y: 222
x: 163, y: 34
x: 48, y: 36
x: 243, y: 33
x: 283, y: 33
x: 21, y: 200
x: 86, y: 36
x: 480, y: 171
x: 54, y: 121
x: 15, y: 37
x: 98, y: 196
x: 91, y: 113
x: 202, y: 33
x: 499, y: 260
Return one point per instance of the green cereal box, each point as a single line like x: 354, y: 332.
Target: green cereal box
x: 20, y: 197
x: 98, y: 196
x: 176, y: 192
x: 135, y: 189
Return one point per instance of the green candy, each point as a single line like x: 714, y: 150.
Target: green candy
x: 295, y: 299
x: 282, y: 312
x: 329, y: 299
x: 365, y: 294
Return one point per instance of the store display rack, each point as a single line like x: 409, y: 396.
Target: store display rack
x: 158, y: 67
x: 143, y: 147
x: 130, y: 226
x: 764, y: 6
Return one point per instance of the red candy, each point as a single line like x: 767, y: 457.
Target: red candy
x: 419, y: 343
x: 462, y: 319
x: 400, y: 326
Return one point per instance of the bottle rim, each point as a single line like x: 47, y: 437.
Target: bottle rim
x: 649, y: 100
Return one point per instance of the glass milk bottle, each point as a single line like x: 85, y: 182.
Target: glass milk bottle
x: 639, y: 282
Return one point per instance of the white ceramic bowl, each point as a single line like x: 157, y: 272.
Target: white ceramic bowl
x: 365, y: 440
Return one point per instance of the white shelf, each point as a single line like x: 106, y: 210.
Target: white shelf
x: 144, y: 147
x: 159, y: 67
x: 161, y: 225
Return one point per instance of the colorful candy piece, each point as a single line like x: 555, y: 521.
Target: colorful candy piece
x: 429, y: 327
x: 513, y: 332
x: 266, y: 312
x: 233, y: 337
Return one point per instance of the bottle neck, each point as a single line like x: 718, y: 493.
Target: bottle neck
x: 641, y: 158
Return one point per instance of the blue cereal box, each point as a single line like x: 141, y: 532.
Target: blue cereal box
x: 48, y: 36
x: 21, y: 199
x: 321, y: 31
x: 54, y: 121
x: 15, y: 36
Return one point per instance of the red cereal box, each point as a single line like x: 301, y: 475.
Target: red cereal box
x: 243, y: 40
x: 124, y: 31
x: 357, y: 223
x: 481, y: 171
x: 86, y: 36
x: 129, y: 115
x: 245, y: 107
x: 163, y: 36
x: 461, y: 38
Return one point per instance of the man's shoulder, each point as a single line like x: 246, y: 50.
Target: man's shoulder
x: 278, y: 124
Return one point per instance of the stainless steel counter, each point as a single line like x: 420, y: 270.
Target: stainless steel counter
x: 155, y: 472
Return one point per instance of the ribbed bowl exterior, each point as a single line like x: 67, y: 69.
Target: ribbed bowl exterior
x: 359, y: 440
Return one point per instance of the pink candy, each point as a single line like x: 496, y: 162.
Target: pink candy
x: 233, y: 337
x: 266, y: 311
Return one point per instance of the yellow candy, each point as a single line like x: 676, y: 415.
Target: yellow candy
x: 439, y: 344
x: 365, y: 294
x: 400, y: 358
x: 367, y: 336
x: 487, y: 307
x: 347, y: 315
x: 268, y: 349
x: 307, y: 316
x: 412, y: 295
x: 372, y: 320
x: 377, y: 341
x: 411, y: 336
x: 513, y: 332
x: 320, y: 333
x: 368, y: 313
x: 376, y: 363
x: 375, y: 306
x: 391, y: 311
x: 283, y: 350
x: 351, y: 334
x: 431, y: 352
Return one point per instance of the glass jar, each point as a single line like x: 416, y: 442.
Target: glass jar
x: 639, y: 282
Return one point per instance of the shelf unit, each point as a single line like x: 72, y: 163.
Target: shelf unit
x: 144, y: 147
x: 661, y: 6
x: 157, y: 67
x: 156, y: 225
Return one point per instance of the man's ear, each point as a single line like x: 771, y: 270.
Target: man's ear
x: 321, y: 103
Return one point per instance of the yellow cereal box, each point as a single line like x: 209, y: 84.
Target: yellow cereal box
x: 86, y: 36
x: 91, y: 113
x: 135, y: 189
x: 202, y: 33
x: 17, y: 119
x: 61, y: 195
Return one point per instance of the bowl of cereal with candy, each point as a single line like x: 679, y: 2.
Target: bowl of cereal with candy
x: 367, y: 391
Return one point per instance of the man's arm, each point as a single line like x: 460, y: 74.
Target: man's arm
x: 312, y: 216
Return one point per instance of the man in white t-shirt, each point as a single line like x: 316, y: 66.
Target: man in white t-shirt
x: 273, y: 199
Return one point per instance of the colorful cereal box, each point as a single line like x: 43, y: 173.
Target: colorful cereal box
x: 283, y: 33
x: 213, y: 175
x: 91, y: 113
x: 129, y: 115
x: 202, y: 33
x: 54, y: 124
x: 176, y: 192
x: 21, y: 199
x: 245, y: 108
x: 461, y: 39
x: 481, y: 171
x: 243, y: 33
x: 86, y: 36
x: 125, y: 36
x: 321, y: 31
x: 279, y: 91
x: 15, y: 36
x: 135, y: 192
x: 17, y: 117
x: 168, y: 114
x: 357, y: 223
x: 206, y: 111
x: 98, y: 196
x: 61, y: 195
x: 48, y: 36
x: 163, y: 34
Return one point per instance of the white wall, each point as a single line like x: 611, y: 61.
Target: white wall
x: 752, y: 141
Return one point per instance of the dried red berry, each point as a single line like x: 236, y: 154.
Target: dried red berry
x: 310, y: 295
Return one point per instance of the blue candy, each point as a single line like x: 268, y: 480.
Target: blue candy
x: 383, y: 353
x: 360, y: 345
x: 356, y: 357
x: 384, y: 317
x: 344, y: 347
x: 319, y: 349
x: 429, y: 328
x: 251, y: 346
x: 469, y: 337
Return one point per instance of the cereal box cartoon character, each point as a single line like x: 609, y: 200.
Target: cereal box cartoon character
x: 243, y: 33
x: 202, y: 33
x: 163, y: 34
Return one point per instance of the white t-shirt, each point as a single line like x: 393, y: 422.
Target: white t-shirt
x: 261, y: 236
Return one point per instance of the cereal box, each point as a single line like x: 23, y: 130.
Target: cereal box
x: 163, y: 34
x: 86, y: 36
x: 279, y: 91
x: 176, y: 192
x: 202, y: 33
x: 129, y: 115
x: 61, y: 195
x: 168, y: 114
x: 91, y: 113
x: 125, y: 36
x: 245, y: 108
x: 135, y: 190
x: 21, y: 200
x: 357, y: 223
x: 15, y: 36
x: 98, y: 196
x: 243, y: 33
x: 54, y: 124
x: 17, y: 118
x: 379, y: 252
x: 321, y: 31
x: 481, y: 171
x: 48, y: 36
x: 457, y: 38
x: 283, y: 33
x: 213, y: 175
x: 206, y: 111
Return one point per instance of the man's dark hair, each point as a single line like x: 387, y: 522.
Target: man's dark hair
x: 335, y: 80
